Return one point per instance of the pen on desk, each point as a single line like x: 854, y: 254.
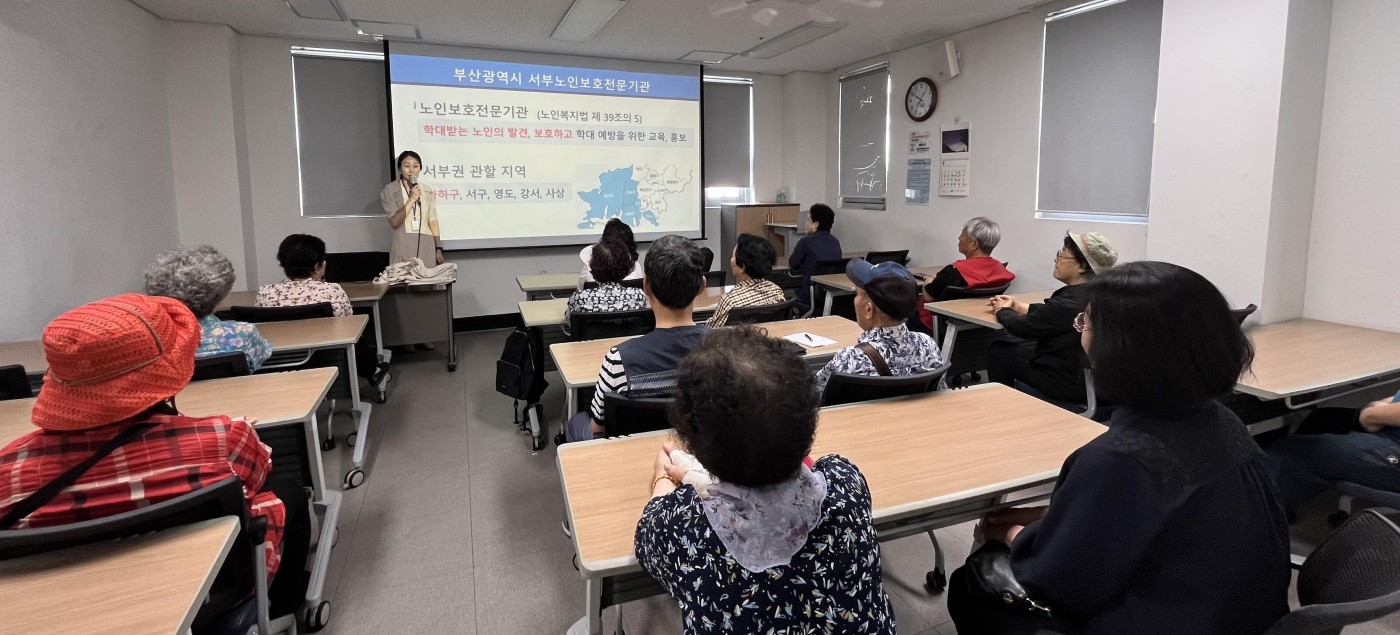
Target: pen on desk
x: 808, y: 338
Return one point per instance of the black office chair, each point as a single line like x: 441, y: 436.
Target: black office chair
x: 714, y: 278
x: 355, y: 266
x: 876, y: 257
x: 14, y: 383
x: 1352, y: 577
x: 624, y: 415
x: 257, y: 314
x: 960, y: 293
x: 221, y: 366
x: 709, y: 257
x: 596, y: 326
x: 761, y: 313
x: 1353, y: 492
x: 843, y: 388
x: 1241, y: 315
x: 1091, y: 408
x: 244, y: 569
x: 635, y: 283
x: 818, y: 292
x: 972, y: 344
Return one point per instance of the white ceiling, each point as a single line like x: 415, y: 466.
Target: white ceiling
x: 643, y: 29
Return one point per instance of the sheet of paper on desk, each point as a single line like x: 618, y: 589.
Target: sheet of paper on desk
x: 807, y: 340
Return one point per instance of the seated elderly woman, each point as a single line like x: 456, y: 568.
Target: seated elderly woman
x: 752, y: 261
x: 201, y: 277
x: 303, y: 259
x: 610, y: 262
x: 976, y: 270
x: 770, y: 545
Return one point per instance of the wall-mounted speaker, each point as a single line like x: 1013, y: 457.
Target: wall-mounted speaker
x: 945, y: 63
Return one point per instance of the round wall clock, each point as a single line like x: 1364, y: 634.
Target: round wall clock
x: 921, y: 99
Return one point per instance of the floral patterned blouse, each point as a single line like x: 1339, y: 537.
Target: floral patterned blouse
x: 305, y: 291
x: 832, y: 585
x: 226, y: 336
x: 604, y: 298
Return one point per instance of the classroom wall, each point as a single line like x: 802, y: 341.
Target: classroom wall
x: 89, y: 192
x: 1356, y: 217
x: 999, y: 93
x: 805, y: 97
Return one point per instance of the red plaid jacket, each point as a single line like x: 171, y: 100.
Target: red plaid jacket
x: 178, y: 456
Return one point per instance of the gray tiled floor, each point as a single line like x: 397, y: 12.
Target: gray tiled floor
x: 456, y: 529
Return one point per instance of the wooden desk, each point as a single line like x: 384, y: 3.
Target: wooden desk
x: 838, y: 284
x: 974, y: 311
x: 782, y: 263
x: 361, y: 293
x: 1305, y: 356
x: 91, y: 589
x: 299, y: 335
x: 29, y: 354
x: 948, y: 472
x: 544, y: 285
x: 543, y: 313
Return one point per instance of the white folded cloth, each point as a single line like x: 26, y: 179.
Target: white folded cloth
x: 413, y: 271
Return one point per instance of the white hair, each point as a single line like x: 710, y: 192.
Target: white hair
x: 985, y: 231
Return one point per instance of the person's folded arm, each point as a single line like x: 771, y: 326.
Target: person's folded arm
x: 1381, y: 414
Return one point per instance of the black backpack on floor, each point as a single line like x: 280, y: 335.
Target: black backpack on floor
x: 516, y: 375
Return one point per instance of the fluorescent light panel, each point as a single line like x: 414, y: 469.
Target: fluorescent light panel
x: 706, y: 57
x: 1078, y: 9
x: 316, y: 9
x: 387, y: 30
x: 803, y: 34
x: 585, y: 18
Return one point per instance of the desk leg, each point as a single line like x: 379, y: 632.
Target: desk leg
x: 318, y: 473
x: 592, y: 621
x: 950, y: 337
x: 451, y: 337
x: 384, y: 354
x: 356, y: 475
x: 826, y: 305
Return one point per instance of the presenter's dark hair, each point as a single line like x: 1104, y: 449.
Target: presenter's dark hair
x: 615, y: 228
x: 609, y: 261
x: 398, y: 163
x: 675, y: 271
x: 746, y: 407
x: 824, y: 216
x: 755, y: 255
x: 1162, y: 337
x: 300, y: 254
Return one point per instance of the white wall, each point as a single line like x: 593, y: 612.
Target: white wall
x: 804, y: 136
x: 999, y: 93
x: 1356, y: 213
x: 89, y: 194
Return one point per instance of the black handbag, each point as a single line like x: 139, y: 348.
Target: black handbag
x: 990, y: 569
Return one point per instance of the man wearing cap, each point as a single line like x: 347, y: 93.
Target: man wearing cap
x: 886, y: 295
x: 115, y: 366
x: 1051, y: 363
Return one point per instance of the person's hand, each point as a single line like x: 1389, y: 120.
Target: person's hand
x: 1002, y: 533
x: 1000, y: 302
x: 439, y: 257
x: 415, y: 192
x: 1021, y: 308
x: 664, y: 467
x: 1016, y: 515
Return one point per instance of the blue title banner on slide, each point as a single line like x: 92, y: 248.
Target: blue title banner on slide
x: 446, y: 71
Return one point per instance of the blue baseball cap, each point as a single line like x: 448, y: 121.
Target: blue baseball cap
x: 863, y: 273
x: 890, y: 286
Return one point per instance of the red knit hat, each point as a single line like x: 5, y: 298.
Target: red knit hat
x: 113, y: 359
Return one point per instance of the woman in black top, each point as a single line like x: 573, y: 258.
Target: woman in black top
x: 1051, y: 362
x: 1169, y: 522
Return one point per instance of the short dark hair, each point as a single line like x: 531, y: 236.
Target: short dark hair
x: 675, y: 270
x: 894, y: 297
x: 615, y: 228
x: 398, y: 163
x: 746, y: 407
x: 609, y: 261
x: 1085, y: 269
x: 299, y: 254
x: 1162, y: 337
x: 824, y: 216
x: 755, y: 255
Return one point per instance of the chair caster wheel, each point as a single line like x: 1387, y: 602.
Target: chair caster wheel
x: 451, y: 368
x: 317, y: 618
x: 559, y: 439
x: 935, y: 581
x: 354, y: 478
x: 1335, y: 519
x: 382, y: 397
x: 537, y: 443
x: 327, y: 445
x: 352, y: 438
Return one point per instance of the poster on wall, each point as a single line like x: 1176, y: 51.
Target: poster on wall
x: 917, y: 181
x: 955, y: 160
x: 919, y: 142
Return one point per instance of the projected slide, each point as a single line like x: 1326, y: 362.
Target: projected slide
x: 527, y: 154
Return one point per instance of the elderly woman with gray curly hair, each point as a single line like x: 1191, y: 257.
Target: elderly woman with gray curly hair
x: 201, y: 277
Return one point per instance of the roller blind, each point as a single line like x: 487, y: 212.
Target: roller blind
x: 864, y: 136
x: 1098, y: 104
x: 728, y: 127
x: 343, y: 151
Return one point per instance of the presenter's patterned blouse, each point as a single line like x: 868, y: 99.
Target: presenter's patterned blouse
x: 904, y: 351
x: 226, y: 336
x: 832, y: 585
x: 303, y: 292
x: 606, y: 297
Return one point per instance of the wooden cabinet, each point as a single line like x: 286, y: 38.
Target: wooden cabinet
x: 753, y: 219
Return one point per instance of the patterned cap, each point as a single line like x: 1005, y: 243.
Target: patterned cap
x: 1096, y: 249
x: 112, y: 359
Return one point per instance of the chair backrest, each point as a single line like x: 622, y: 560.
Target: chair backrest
x: 280, y: 313
x: 14, y: 383
x: 1352, y: 577
x: 876, y: 257
x: 585, y: 326
x: 235, y: 580
x: 821, y: 268
x: 635, y: 283
x: 1241, y: 315
x: 223, y: 365
x: 761, y: 313
x: 959, y: 293
x: 709, y: 255
x: 355, y: 266
x: 843, y: 388
x: 714, y: 278
x: 631, y: 415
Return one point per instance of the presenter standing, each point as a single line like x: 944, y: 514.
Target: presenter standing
x: 412, y: 211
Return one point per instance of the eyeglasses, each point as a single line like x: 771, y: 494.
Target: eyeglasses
x: 1081, y: 323
x: 1060, y: 253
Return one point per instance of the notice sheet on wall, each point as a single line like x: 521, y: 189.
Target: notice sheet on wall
x: 917, y: 181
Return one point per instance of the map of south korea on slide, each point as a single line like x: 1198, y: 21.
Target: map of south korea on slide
x: 633, y: 194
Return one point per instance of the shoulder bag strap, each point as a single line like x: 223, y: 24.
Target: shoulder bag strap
x: 55, y: 487
x: 874, y: 355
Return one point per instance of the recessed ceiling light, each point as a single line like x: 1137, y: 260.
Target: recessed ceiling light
x: 802, y: 34
x: 706, y: 57
x: 316, y: 9
x: 585, y: 18
x: 386, y: 30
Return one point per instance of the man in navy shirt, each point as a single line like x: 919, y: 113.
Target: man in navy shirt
x: 818, y: 245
